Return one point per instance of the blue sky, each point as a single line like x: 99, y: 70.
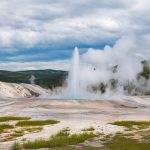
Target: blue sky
x: 46, y: 31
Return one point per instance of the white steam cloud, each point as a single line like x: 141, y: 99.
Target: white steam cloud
x: 115, y: 70
x: 32, y: 79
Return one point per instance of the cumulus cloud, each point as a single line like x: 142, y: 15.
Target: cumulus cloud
x: 49, y: 25
x: 28, y: 23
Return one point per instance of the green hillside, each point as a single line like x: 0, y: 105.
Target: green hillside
x: 45, y: 78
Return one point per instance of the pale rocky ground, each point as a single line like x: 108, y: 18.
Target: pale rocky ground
x: 13, y: 90
x: 76, y: 114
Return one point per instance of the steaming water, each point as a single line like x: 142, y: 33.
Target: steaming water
x: 32, y: 79
x: 74, y: 75
x: 115, y: 70
x: 75, y: 90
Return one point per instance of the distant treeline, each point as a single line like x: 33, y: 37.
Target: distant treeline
x: 45, y: 78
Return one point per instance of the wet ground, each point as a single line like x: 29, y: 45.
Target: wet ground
x: 104, y: 110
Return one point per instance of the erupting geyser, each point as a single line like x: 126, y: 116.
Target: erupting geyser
x: 106, y: 73
x: 74, y: 75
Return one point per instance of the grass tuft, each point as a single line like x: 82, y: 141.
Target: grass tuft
x: 59, y: 140
x: 36, y: 122
x: 130, y: 124
x: 12, y: 118
x: 63, y: 132
x: 12, y: 136
x: 16, y: 146
x: 20, y: 132
x: 122, y: 143
x: 89, y: 129
x: 32, y: 129
x: 3, y: 127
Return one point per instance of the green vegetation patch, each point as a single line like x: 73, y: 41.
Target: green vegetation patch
x: 12, y: 118
x: 89, y: 129
x: 12, y: 136
x: 61, y: 139
x: 33, y: 129
x: 36, y: 122
x: 20, y: 132
x: 63, y: 132
x: 3, y: 127
x: 130, y: 124
x: 58, y: 141
x: 16, y: 146
x: 122, y: 143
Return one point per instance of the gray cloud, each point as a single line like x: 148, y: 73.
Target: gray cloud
x: 26, y: 24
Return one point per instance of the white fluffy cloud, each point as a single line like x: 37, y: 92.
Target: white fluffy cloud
x: 26, y: 23
x: 59, y: 24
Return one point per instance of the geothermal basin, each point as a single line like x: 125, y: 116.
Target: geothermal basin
x: 76, y: 114
x: 76, y: 108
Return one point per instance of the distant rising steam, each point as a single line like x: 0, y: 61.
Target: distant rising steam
x: 119, y: 70
x: 32, y: 79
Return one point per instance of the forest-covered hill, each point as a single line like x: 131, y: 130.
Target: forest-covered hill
x: 45, y: 78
